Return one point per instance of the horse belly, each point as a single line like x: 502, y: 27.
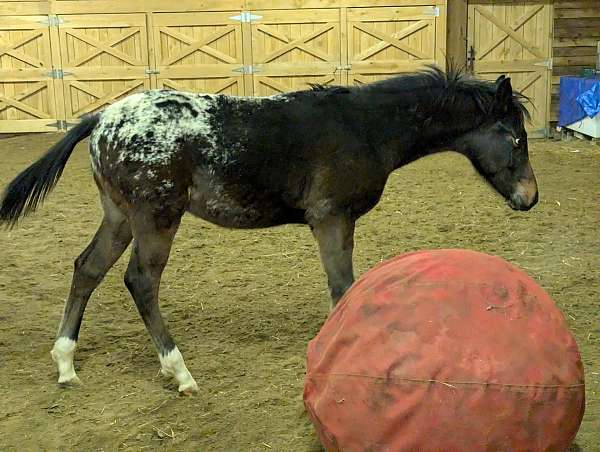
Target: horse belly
x: 239, y: 207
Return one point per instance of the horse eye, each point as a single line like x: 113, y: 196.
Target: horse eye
x: 517, y: 141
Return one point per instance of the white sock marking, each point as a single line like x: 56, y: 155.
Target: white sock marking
x: 62, y: 354
x: 173, y: 365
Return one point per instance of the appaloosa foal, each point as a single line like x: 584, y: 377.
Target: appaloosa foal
x: 319, y: 157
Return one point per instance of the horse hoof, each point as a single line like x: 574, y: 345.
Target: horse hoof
x: 71, y: 382
x: 188, y: 389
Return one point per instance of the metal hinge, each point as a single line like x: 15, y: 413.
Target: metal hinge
x: 343, y: 67
x: 247, y: 69
x: 57, y: 73
x: 152, y: 71
x: 52, y: 21
x: 246, y: 16
x: 547, y: 63
x: 61, y: 124
x: 433, y: 11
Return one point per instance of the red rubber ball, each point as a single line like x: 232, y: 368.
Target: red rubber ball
x: 446, y: 350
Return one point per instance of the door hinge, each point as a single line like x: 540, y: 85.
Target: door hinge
x: 152, y: 71
x: 57, y: 73
x: 247, y: 69
x: 52, y: 21
x: 343, y: 67
x: 548, y: 63
x: 61, y: 124
x: 246, y: 17
x: 432, y: 11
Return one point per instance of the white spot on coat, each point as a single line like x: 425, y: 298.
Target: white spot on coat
x: 147, y: 132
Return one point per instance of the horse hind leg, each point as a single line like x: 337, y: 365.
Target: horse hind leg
x: 151, y: 247
x: 109, y: 242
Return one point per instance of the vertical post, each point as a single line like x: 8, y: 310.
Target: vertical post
x: 457, y: 17
x: 58, y: 84
x: 550, y: 71
x: 153, y: 41
x: 344, y: 47
x: 247, y: 58
x: 441, y: 54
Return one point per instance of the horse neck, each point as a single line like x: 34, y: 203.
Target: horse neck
x: 429, y: 126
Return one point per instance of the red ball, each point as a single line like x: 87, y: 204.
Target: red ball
x: 446, y: 350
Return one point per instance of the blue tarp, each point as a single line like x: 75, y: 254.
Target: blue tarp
x: 579, y: 97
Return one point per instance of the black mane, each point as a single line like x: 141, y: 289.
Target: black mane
x: 454, y: 87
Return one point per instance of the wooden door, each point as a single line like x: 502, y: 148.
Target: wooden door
x: 104, y: 57
x: 383, y: 42
x: 291, y: 49
x: 514, y: 38
x: 27, y: 97
x: 199, y: 52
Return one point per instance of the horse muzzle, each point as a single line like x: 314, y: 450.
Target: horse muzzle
x: 525, y: 193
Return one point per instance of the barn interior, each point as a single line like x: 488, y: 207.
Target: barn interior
x: 244, y: 304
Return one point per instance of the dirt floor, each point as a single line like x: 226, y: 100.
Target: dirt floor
x: 244, y: 304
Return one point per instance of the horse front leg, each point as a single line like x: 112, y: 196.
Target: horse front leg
x: 335, y: 236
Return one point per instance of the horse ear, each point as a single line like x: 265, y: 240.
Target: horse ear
x: 499, y: 79
x: 504, y: 95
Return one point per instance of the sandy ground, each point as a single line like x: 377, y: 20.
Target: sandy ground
x: 243, y: 304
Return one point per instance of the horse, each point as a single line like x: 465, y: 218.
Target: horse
x: 319, y: 157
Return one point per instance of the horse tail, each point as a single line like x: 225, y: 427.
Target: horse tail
x: 31, y: 186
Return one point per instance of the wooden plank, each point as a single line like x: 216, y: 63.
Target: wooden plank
x: 195, y: 19
x: 152, y: 62
x: 233, y: 86
x: 403, y: 13
x: 563, y: 4
x: 344, y: 46
x: 24, y: 8
x: 27, y: 125
x: 268, y: 85
x: 133, y: 6
x: 441, y: 37
x: 103, y: 20
x: 580, y: 22
x: 300, y: 16
x: 575, y: 42
x: 578, y: 60
x: 568, y: 70
x: 575, y: 51
x: 248, y: 79
x: 389, y: 67
x: 577, y: 13
x: 457, y: 18
x: 287, y: 4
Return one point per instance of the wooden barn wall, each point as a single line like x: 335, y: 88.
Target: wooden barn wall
x: 576, y: 37
x: 61, y: 59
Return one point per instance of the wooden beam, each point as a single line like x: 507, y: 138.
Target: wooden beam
x: 456, y: 45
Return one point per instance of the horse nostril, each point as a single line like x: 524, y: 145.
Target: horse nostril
x: 521, y: 202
